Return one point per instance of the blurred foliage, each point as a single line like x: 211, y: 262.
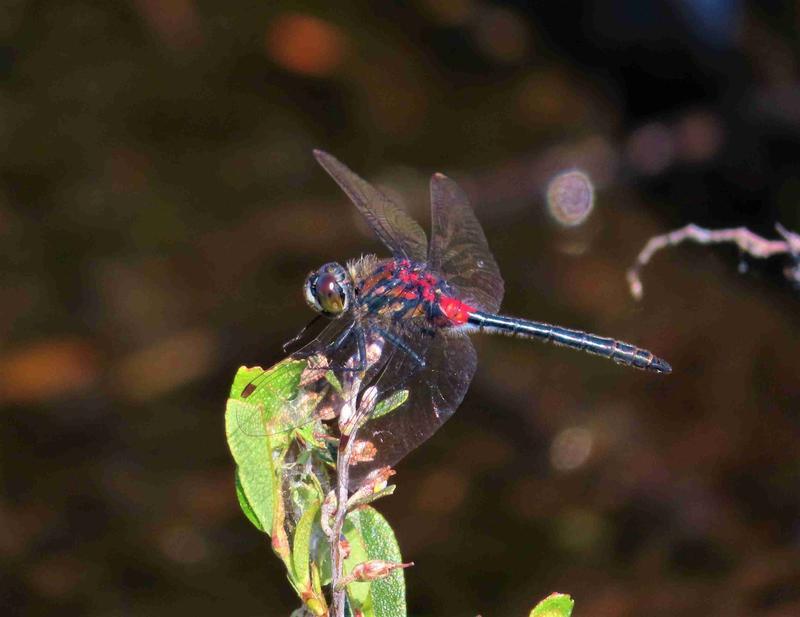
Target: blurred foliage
x: 160, y: 207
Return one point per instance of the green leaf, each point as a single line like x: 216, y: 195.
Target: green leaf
x: 301, y: 545
x: 282, y: 464
x: 284, y: 379
x: 263, y: 479
x: 245, y: 505
x: 387, y: 597
x: 332, y: 379
x: 554, y: 605
x: 389, y: 404
x: 256, y: 456
x: 254, y: 470
x: 358, y: 593
x: 272, y: 404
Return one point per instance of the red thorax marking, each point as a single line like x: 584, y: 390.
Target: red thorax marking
x: 417, y: 283
x: 455, y: 310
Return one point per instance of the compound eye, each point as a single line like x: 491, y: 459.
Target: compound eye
x: 329, y: 294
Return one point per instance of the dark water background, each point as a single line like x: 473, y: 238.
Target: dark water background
x: 160, y: 207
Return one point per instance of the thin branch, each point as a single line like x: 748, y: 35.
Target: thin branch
x: 746, y: 240
x: 351, y: 418
x: 342, y: 480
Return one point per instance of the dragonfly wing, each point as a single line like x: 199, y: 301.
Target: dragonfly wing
x: 277, y: 404
x: 397, y: 230
x: 290, y: 394
x: 458, y: 249
x: 428, y: 395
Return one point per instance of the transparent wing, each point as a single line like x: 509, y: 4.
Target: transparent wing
x: 414, y: 398
x: 296, y: 391
x: 397, y: 230
x: 414, y: 401
x: 458, y: 249
x: 283, y: 402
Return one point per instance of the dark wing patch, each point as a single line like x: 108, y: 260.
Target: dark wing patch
x: 433, y: 392
x: 398, y: 231
x: 458, y: 249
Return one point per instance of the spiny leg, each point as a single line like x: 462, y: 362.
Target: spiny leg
x: 400, y: 344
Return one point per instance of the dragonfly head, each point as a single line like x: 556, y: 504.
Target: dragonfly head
x: 329, y: 290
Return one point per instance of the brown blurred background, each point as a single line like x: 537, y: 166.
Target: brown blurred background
x: 159, y: 208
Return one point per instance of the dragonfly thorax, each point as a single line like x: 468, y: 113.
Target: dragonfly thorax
x: 329, y: 290
x: 405, y: 290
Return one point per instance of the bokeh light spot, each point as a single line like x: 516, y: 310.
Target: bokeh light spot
x: 502, y: 35
x: 183, y: 544
x: 570, y: 197
x: 651, y: 148
x: 47, y: 369
x: 581, y: 531
x: 699, y: 136
x: 442, y: 491
x: 571, y: 448
x: 56, y: 575
x: 166, y: 365
x: 305, y: 44
x: 176, y: 22
x: 450, y: 12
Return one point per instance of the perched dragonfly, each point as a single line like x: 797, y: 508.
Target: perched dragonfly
x: 417, y: 308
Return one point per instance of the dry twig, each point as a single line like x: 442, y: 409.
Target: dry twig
x: 746, y: 240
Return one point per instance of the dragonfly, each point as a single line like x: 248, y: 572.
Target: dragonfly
x: 417, y: 308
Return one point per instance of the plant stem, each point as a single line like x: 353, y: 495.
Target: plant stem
x: 352, y: 415
x: 350, y: 418
x: 342, y: 481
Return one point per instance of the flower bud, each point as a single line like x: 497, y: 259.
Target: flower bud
x: 376, y: 569
x: 370, y: 571
x: 326, y: 515
x: 363, y: 451
x: 344, y: 547
x: 378, y: 479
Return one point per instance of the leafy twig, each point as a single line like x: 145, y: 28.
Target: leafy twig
x: 282, y: 479
x: 747, y: 241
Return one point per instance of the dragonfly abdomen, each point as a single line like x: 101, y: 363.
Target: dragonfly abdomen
x: 622, y: 353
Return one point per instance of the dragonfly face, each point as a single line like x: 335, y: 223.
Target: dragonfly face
x: 329, y: 290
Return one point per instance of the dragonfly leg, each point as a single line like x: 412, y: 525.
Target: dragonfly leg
x: 361, y: 348
x: 361, y: 339
x: 336, y: 344
x: 300, y: 334
x: 343, y: 336
x: 400, y: 344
